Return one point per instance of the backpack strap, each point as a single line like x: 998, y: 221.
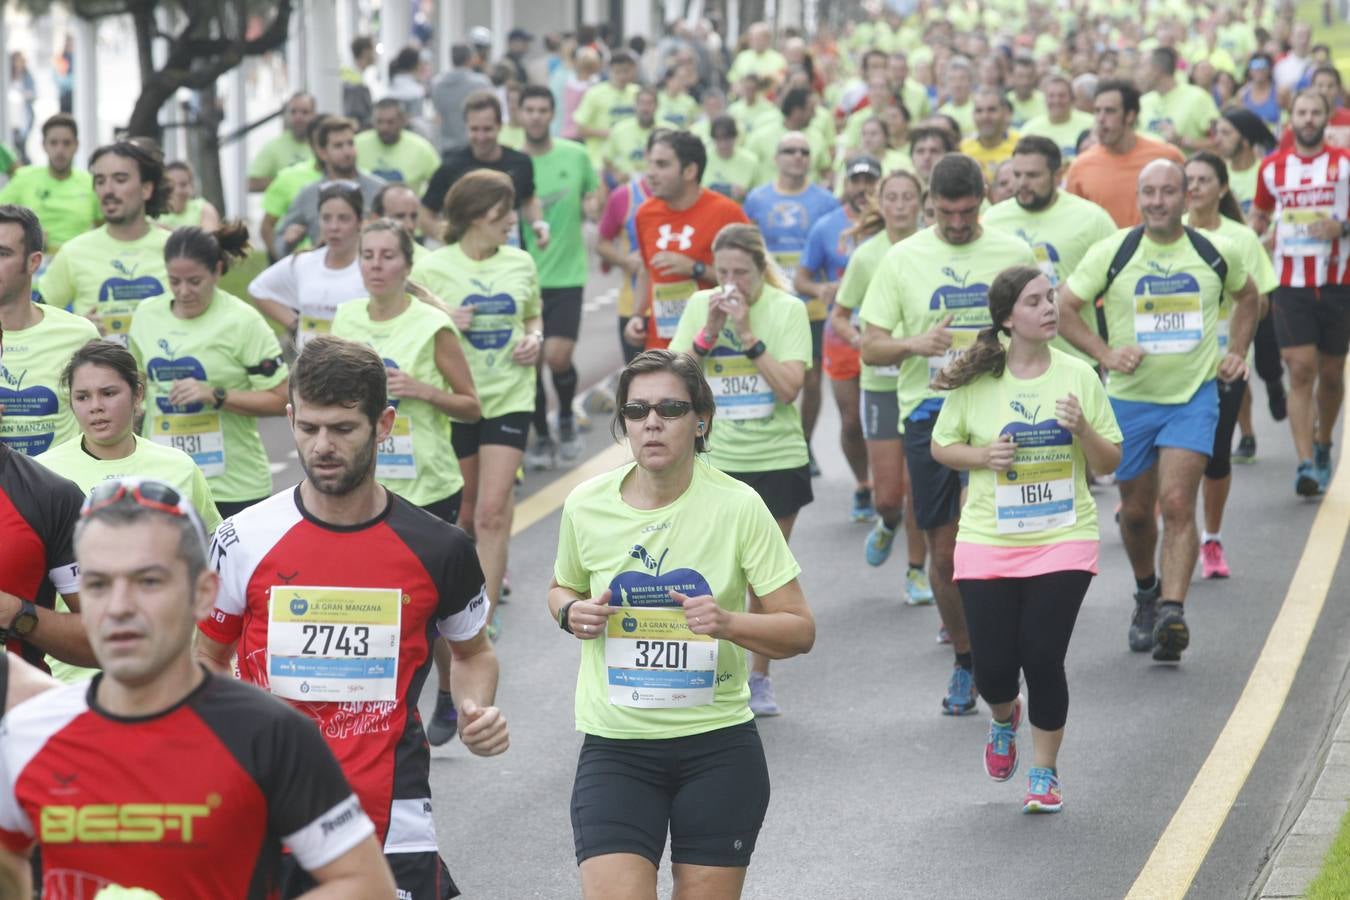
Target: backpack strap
x: 1124, y: 253
x: 1211, y: 255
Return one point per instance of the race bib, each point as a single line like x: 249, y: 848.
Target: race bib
x: 312, y: 326
x: 327, y: 644
x: 655, y: 662
x: 1168, y: 322
x: 394, y: 455
x: 668, y: 303
x: 888, y: 371
x: 739, y: 389
x: 198, y: 435
x: 1037, y: 493
x: 1224, y: 312
x: 1292, y: 237
x: 114, y: 321
x: 962, y: 340
x: 1045, y: 262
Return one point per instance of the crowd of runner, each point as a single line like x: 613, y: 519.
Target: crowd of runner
x: 1037, y: 254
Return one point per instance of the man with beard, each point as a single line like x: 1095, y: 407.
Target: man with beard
x: 331, y: 593
x: 1059, y: 226
x: 62, y: 197
x: 1305, y: 193
x: 110, y: 270
x: 335, y: 145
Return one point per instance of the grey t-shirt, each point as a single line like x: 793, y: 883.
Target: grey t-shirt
x: 305, y: 209
x: 448, y: 93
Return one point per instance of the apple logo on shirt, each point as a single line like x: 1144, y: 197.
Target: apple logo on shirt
x: 126, y: 286
x: 388, y: 174
x: 165, y: 372
x: 1165, y: 285
x: 36, y: 400
x: 652, y: 587
x: 493, y: 320
x: 959, y: 294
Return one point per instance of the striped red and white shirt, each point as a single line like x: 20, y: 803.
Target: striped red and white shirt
x: 1298, y: 190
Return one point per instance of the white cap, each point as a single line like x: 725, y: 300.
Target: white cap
x: 480, y: 36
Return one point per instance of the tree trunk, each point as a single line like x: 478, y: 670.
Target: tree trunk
x: 207, y: 163
x: 143, y: 18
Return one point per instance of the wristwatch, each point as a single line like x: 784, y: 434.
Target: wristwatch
x: 25, y: 621
x: 699, y: 269
x: 562, y: 616
x: 218, y: 398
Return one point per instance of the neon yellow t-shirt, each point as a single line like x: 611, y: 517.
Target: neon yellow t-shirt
x: 641, y: 555
x: 1165, y: 300
x: 763, y: 143
x: 36, y: 410
x: 1059, y: 236
x: 921, y: 281
x: 767, y: 64
x: 753, y: 431
x: 190, y: 216
x: 107, y: 276
x: 411, y: 159
x: 679, y: 111
x: 602, y: 107
x: 862, y: 267
x: 1254, y: 258
x: 964, y: 114
x: 626, y: 149
x: 67, y: 207
x: 504, y: 291
x: 278, y: 153
x: 1044, y: 498
x: 416, y: 461
x: 726, y: 175
x: 1065, y: 134
x: 228, y: 346
x: 1190, y: 109
x: 1242, y: 184
x: 750, y: 116
x: 1024, y: 111
x: 276, y: 200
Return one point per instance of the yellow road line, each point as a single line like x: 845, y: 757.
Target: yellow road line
x: 1172, y: 865
x: 542, y: 503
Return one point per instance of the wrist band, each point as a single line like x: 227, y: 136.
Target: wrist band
x: 562, y: 616
x: 756, y: 350
x: 701, y: 347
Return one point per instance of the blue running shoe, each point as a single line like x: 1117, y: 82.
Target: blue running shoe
x: 918, y: 589
x: 1305, y: 480
x: 877, y: 547
x: 960, y: 699
x: 863, y: 511
x: 1322, y: 466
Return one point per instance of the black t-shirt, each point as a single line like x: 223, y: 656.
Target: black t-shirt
x: 459, y: 163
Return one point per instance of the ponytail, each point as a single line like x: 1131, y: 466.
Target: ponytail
x: 986, y: 356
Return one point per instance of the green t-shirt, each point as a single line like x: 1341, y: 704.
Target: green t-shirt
x: 1242, y: 184
x: 1165, y: 300
x: 1190, y: 109
x: 504, y: 291
x: 103, y: 275
x: 724, y: 175
x: 67, y: 207
x: 626, y: 149
x: 278, y: 153
x: 36, y: 410
x: 562, y: 177
x: 411, y: 159
x: 191, y: 215
x: 766, y: 64
x: 1026, y: 110
x: 679, y: 111
x: 417, y: 461
x: 964, y: 114
x: 1044, y: 498
x: 228, y: 346
x: 753, y: 430
x: 916, y: 99
x: 1254, y: 258
x: 276, y: 200
x: 1064, y: 134
x: 749, y: 116
x: 858, y: 274
x: 512, y: 136
x: 604, y: 106
x: 8, y: 157
x: 920, y: 282
x: 1059, y: 236
x: 641, y: 555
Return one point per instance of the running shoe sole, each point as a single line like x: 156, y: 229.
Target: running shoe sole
x: 1307, y: 486
x: 1036, y: 806
x: 1170, y: 638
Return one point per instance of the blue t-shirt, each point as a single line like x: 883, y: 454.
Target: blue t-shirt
x: 827, y: 250
x: 785, y: 220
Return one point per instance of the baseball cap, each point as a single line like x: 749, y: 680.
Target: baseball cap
x: 519, y: 34
x: 865, y: 165
x: 480, y: 36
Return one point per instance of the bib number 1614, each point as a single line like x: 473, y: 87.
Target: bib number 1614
x: 662, y: 654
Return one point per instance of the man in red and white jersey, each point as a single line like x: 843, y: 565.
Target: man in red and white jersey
x: 1305, y: 192
x: 332, y: 593
x: 157, y: 774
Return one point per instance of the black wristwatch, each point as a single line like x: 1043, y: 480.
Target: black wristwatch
x: 699, y: 269
x: 1345, y: 229
x: 218, y: 398
x: 24, y: 622
x: 756, y: 350
x: 562, y: 616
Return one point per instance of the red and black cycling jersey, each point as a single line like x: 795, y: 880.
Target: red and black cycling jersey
x: 38, y: 512
x: 380, y: 745
x: 196, y: 801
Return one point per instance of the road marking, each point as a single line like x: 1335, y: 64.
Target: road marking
x: 542, y: 503
x: 277, y: 467
x: 1185, y: 843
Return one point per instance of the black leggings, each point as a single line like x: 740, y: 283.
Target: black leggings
x: 1268, y: 364
x: 1230, y: 403
x: 1024, y: 625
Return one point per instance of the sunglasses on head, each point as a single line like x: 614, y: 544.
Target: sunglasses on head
x: 147, y: 494
x: 637, y: 410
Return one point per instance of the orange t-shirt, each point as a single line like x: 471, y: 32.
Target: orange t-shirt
x: 1111, y: 180
x: 689, y: 232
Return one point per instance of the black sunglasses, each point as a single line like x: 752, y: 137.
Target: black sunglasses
x: 795, y: 151
x: 637, y: 410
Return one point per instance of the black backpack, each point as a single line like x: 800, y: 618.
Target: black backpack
x: 1208, y: 252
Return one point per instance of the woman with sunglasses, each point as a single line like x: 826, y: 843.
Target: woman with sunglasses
x: 213, y: 367
x: 302, y: 292
x: 1259, y: 93
x: 429, y: 384
x: 654, y: 561
x: 493, y: 293
x: 754, y: 341
x: 1027, y: 421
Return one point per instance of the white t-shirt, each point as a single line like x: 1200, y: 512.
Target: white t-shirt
x: 306, y: 284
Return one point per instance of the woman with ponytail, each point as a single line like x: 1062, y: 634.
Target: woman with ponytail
x: 1027, y: 421
x: 212, y: 367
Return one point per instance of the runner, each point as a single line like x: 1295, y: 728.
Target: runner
x: 1160, y: 316
x: 675, y: 107
x: 1179, y: 113
x: 626, y: 147
x: 828, y: 248
x: 212, y: 367
x: 685, y: 762
x: 398, y: 202
x: 675, y: 230
x: 286, y: 149
x: 493, y: 292
x: 335, y: 148
x: 731, y: 170
x: 302, y: 292
x: 62, y: 196
x: 568, y: 190
x: 618, y: 246
x: 798, y: 110
x: 116, y: 266
x: 960, y: 104
x: 203, y: 781
x: 755, y: 348
x: 185, y: 207
x: 889, y: 219
x: 926, y: 146
x: 34, y: 414
x: 992, y: 142
x: 1211, y: 206
x: 393, y: 152
x: 1026, y: 101
x: 338, y: 549
x: 276, y: 200
x: 1028, y: 543
x: 922, y: 310
x: 1060, y: 122
x: 1305, y: 193
x: 606, y: 104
